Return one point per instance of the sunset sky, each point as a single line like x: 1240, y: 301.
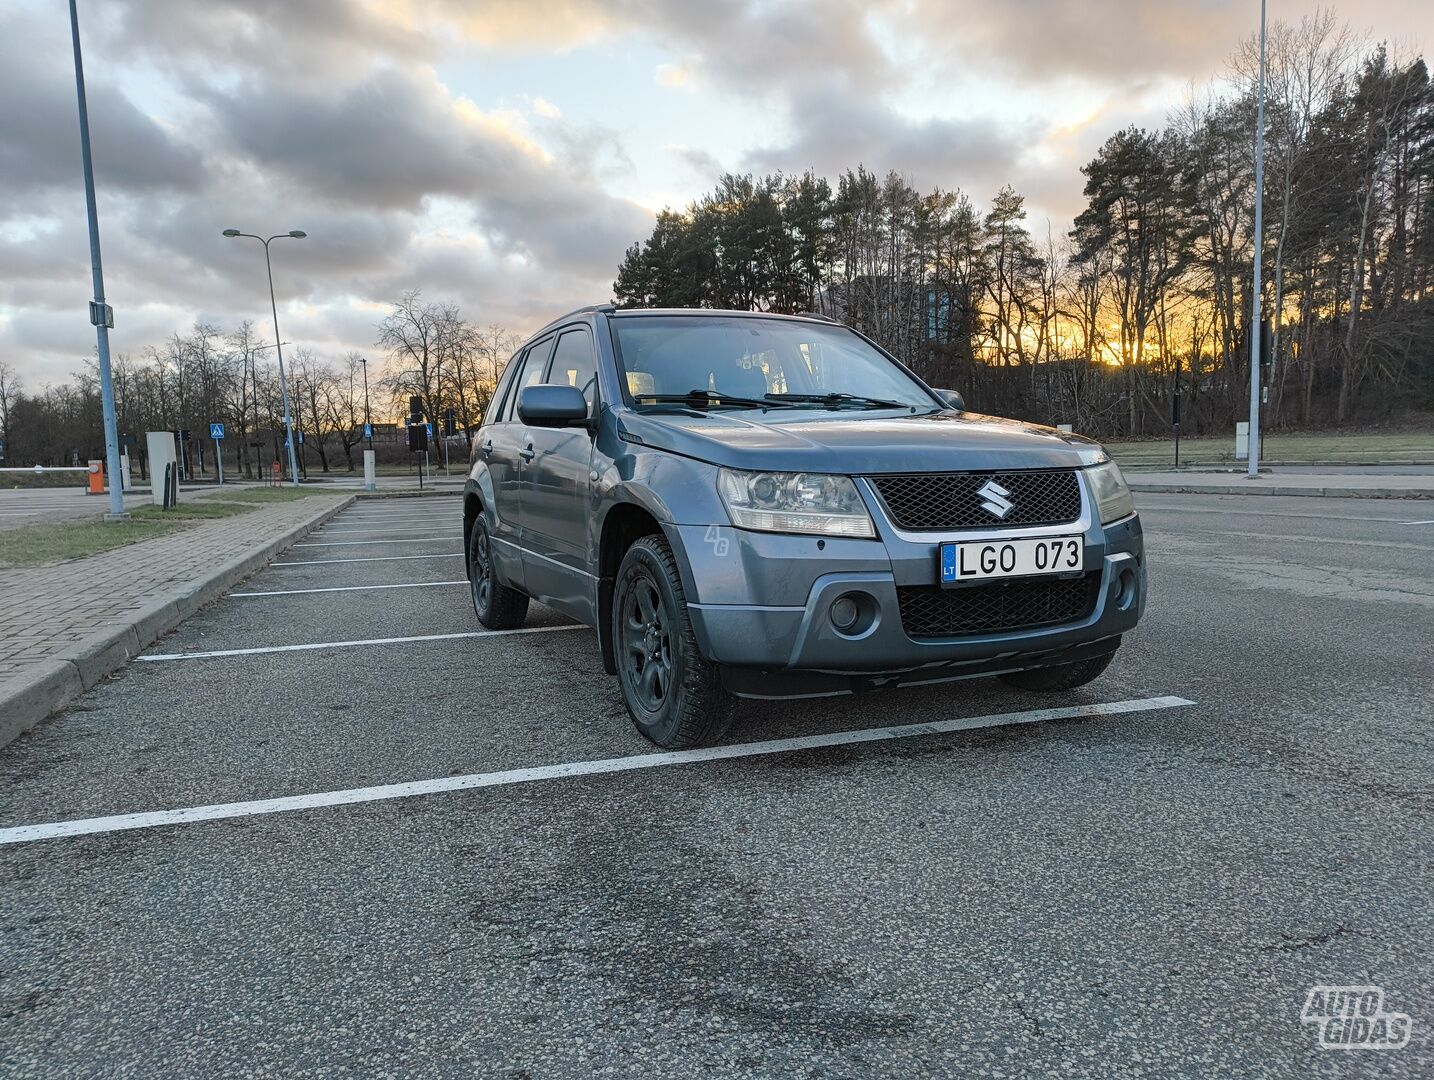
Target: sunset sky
x: 503, y: 155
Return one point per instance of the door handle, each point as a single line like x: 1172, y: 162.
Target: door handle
x: 486, y: 447
x: 527, y: 453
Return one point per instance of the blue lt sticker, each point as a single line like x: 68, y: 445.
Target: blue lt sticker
x: 948, y: 562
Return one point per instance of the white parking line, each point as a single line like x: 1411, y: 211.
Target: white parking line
x: 1429, y: 522
x: 383, y: 526
x: 352, y: 588
x: 1144, y: 507
x: 397, y: 516
x: 327, y: 531
x: 369, y: 523
x: 262, y: 649
x: 1310, y: 539
x: 370, y: 558
x: 408, y: 515
x: 355, y: 543
x: 219, y: 811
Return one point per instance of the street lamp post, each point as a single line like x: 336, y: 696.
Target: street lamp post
x: 1255, y: 336
x: 254, y: 389
x: 370, y: 461
x: 297, y: 234
x: 100, y: 313
x: 367, y: 417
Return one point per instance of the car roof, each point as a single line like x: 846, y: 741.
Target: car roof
x: 640, y: 312
x: 613, y: 311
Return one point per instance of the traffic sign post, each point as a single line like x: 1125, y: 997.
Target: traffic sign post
x: 216, y: 432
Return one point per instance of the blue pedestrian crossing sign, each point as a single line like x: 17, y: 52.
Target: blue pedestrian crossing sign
x: 368, y: 431
x: 216, y: 431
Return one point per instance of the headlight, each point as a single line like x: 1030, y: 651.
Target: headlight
x: 794, y: 503
x: 1112, y: 497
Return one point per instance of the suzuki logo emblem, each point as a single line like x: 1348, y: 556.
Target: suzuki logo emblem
x: 994, y: 499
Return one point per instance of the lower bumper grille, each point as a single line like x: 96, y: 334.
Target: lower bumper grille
x: 997, y: 607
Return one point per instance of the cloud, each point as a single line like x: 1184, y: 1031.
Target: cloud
x: 400, y: 139
x: 1120, y: 43
x: 835, y: 131
x: 289, y: 40
x: 677, y: 76
x: 40, y: 139
x: 399, y: 181
x: 702, y: 163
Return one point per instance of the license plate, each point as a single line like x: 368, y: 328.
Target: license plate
x: 981, y: 559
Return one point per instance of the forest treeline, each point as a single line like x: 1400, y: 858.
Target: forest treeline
x: 1149, y: 295
x: 423, y: 349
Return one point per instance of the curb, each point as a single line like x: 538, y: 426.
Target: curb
x: 27, y: 699
x: 1260, y: 489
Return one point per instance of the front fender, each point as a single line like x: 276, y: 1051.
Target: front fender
x: 671, y: 489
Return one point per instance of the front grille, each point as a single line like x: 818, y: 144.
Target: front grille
x: 996, y: 607
x: 953, y: 501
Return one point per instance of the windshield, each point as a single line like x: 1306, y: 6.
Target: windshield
x: 757, y: 359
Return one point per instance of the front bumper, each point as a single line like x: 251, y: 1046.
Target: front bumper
x: 762, y: 602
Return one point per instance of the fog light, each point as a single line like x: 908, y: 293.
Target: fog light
x: 844, y: 613
x: 1125, y: 593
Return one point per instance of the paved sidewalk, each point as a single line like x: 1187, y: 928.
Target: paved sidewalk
x: 66, y: 626
x: 1277, y: 482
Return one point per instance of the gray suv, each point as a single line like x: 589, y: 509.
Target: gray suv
x: 752, y: 505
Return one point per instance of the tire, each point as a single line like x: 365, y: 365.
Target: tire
x: 672, y: 691
x: 497, y: 606
x: 1050, y: 680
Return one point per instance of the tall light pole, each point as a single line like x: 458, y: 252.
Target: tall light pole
x: 367, y: 418
x: 100, y: 313
x: 297, y: 234
x: 1255, y: 335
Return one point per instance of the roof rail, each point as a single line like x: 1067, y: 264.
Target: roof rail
x: 816, y: 315
x: 606, y: 309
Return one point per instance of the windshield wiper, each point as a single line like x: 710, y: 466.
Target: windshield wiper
x: 709, y: 398
x: 835, y: 399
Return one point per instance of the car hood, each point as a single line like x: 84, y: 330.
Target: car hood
x: 858, y: 442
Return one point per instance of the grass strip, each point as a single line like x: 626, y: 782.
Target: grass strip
x: 37, y: 545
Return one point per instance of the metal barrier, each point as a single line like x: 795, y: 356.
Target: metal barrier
x: 45, y: 470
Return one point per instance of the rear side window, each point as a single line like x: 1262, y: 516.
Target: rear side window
x: 530, y: 374
x: 494, y: 413
x: 574, y: 363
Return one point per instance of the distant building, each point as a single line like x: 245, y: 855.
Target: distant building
x: 383, y: 433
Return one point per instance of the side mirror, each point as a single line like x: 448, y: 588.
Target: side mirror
x: 953, y: 399
x: 552, y: 406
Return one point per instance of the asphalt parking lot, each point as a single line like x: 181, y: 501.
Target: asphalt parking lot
x: 1148, y: 890
x: 37, y: 506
